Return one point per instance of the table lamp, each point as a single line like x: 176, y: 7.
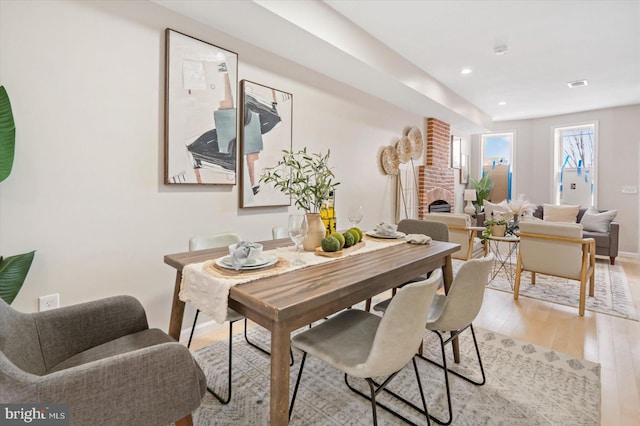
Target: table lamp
x: 469, y: 197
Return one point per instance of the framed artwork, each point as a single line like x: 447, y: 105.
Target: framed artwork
x: 456, y: 151
x: 464, y: 168
x: 265, y: 131
x: 201, y: 83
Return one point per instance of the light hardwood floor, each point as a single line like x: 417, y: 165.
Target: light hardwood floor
x: 611, y: 341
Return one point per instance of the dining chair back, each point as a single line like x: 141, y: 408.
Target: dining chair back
x: 401, y: 329
x: 464, y: 299
x: 278, y: 232
x: 202, y: 242
x: 438, y: 231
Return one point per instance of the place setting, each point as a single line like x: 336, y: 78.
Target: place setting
x: 386, y: 231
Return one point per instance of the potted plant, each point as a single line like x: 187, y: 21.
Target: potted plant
x: 483, y: 188
x: 13, y: 269
x: 309, y: 180
x: 497, y: 227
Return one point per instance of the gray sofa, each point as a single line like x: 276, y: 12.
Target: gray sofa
x: 102, y: 360
x: 606, y: 243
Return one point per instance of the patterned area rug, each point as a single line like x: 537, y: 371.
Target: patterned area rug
x: 612, y: 293
x: 526, y: 385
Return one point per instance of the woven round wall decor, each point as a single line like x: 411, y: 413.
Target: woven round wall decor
x: 415, y: 136
x: 390, y: 161
x: 403, y: 146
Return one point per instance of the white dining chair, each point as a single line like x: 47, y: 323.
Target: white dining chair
x: 365, y: 345
x: 202, y: 242
x: 278, y: 232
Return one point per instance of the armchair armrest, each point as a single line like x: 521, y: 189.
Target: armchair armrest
x: 70, y: 330
x: 131, y: 388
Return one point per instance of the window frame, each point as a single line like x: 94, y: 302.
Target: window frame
x: 512, y: 156
x: 558, y: 158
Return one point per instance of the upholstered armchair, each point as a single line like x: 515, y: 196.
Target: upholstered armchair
x: 554, y: 248
x: 461, y: 232
x: 102, y: 360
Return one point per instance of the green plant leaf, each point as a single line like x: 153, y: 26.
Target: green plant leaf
x: 7, y: 135
x: 13, y: 272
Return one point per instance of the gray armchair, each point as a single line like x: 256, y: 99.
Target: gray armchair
x: 102, y: 360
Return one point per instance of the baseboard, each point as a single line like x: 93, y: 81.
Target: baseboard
x: 201, y: 329
x: 628, y: 254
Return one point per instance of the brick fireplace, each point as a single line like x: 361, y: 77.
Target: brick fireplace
x: 436, y: 179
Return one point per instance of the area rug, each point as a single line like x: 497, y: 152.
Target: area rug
x: 526, y: 385
x: 612, y: 294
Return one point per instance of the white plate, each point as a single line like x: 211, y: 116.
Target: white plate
x: 262, y: 262
x: 395, y: 236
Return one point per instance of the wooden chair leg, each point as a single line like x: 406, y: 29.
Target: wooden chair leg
x: 185, y: 421
x: 367, y: 305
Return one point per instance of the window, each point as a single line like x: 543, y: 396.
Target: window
x: 575, y: 164
x: 497, y: 159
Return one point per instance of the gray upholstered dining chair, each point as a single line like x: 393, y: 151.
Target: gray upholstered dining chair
x: 438, y: 231
x: 202, y: 242
x: 364, y: 345
x: 454, y: 313
x: 102, y: 360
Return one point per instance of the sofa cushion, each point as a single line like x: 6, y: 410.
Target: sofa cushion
x: 563, y: 213
x: 592, y: 220
x: 491, y: 208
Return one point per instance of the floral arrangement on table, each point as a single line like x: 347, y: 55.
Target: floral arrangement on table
x: 306, y: 177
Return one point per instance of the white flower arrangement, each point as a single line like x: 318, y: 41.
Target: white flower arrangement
x: 521, y: 208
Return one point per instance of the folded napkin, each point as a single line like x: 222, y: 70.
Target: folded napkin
x: 418, y: 239
x: 386, y: 229
x: 241, y: 254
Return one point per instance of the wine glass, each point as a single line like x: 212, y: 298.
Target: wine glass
x: 355, y: 215
x: 298, y: 228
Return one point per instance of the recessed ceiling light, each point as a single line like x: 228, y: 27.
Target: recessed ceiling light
x: 502, y: 103
x: 577, y: 83
x: 501, y: 50
x: 466, y: 71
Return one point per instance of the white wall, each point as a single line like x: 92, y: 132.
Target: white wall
x: 86, y: 81
x: 618, y: 153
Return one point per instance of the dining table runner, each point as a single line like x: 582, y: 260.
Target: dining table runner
x: 206, y: 285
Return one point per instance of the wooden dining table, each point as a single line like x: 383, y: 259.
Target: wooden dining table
x: 285, y: 302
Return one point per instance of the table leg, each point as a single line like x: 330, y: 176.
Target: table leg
x: 280, y: 345
x: 447, y: 273
x: 177, y: 310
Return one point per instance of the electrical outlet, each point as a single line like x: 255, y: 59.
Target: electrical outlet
x: 46, y: 303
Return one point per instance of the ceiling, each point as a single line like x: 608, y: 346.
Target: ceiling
x: 411, y: 52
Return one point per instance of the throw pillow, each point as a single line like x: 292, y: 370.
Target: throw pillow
x: 594, y: 221
x: 490, y: 208
x: 564, y: 213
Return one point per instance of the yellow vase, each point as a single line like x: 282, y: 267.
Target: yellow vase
x: 316, y: 232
